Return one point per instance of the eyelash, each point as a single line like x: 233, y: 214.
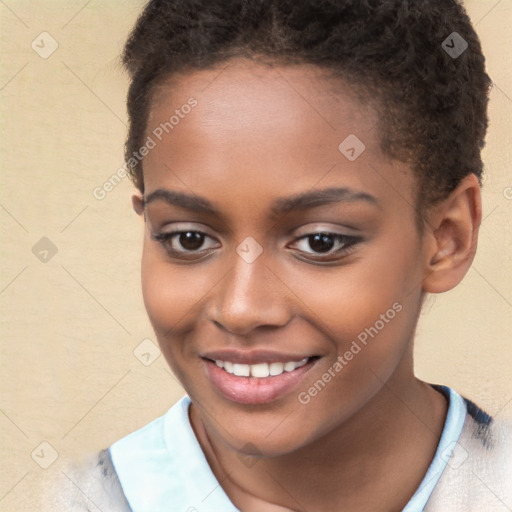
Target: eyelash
x: 347, y: 242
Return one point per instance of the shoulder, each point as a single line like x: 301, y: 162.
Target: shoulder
x: 478, y: 475
x: 91, y: 481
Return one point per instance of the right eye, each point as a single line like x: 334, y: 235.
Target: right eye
x: 182, y: 243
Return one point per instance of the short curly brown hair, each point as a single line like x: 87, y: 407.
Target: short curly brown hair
x: 432, y: 105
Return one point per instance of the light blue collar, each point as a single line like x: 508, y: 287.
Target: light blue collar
x: 162, y: 467
x: 446, y: 448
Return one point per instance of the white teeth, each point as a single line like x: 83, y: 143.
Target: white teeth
x: 289, y: 367
x: 276, y: 368
x: 260, y: 370
x: 241, y: 370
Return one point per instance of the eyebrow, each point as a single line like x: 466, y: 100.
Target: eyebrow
x: 315, y: 198
x: 280, y: 206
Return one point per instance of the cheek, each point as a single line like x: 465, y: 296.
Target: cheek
x: 343, y: 301
x: 172, y: 295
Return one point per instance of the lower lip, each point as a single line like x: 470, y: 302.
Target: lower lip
x: 251, y: 390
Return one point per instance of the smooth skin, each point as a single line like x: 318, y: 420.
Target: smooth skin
x: 258, y: 133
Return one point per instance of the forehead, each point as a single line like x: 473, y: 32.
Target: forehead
x: 247, y: 98
x: 263, y: 128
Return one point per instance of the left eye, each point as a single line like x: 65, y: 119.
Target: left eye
x: 323, y: 242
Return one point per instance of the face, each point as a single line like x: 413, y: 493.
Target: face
x: 282, y: 266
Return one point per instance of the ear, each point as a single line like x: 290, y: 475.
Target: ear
x: 452, y: 236
x: 138, y: 204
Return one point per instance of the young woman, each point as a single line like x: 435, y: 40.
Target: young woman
x: 307, y: 171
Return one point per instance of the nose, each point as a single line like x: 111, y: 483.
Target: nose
x: 251, y: 295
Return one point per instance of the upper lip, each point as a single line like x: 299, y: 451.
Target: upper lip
x: 253, y: 356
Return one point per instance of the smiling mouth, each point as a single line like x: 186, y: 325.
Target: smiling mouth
x: 258, y: 382
x: 260, y: 370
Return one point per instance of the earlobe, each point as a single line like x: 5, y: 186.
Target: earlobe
x: 453, y: 236
x: 138, y: 204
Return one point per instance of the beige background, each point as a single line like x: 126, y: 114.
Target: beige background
x: 69, y: 376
